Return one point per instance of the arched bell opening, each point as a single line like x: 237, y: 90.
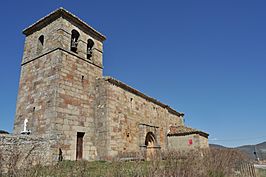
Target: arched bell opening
x: 74, y: 41
x: 40, y: 44
x: 90, y: 45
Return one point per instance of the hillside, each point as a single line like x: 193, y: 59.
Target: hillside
x: 217, y: 146
x: 249, y: 150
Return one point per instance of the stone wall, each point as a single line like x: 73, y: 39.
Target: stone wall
x: 57, y: 34
x: 25, y: 151
x: 75, y: 105
x: 57, y: 86
x: 101, y: 123
x: 187, y: 142
x: 36, y: 93
x: 127, y: 117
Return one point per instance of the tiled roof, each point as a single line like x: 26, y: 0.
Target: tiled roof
x: 136, y: 92
x: 182, y: 130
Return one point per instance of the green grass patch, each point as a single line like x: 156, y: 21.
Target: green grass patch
x: 261, y: 172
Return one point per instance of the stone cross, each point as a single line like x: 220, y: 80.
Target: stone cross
x: 25, y: 125
x: 25, y: 131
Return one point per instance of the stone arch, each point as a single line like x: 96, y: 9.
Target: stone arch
x: 90, y: 45
x: 74, y: 40
x: 40, y: 44
x: 150, y: 139
x: 151, y: 146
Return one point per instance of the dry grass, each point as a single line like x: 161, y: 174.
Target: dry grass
x: 212, y: 163
x: 261, y: 172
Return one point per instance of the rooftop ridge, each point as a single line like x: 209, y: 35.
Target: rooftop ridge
x: 182, y: 130
x: 61, y: 12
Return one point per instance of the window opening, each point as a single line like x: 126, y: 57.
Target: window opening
x: 40, y: 44
x: 74, y: 41
x: 90, y: 45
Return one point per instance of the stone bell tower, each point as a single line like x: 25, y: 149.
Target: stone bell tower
x: 61, y: 61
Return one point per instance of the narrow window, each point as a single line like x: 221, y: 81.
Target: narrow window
x: 60, y: 155
x: 41, y: 40
x: 82, y: 79
x: 74, y: 41
x: 40, y: 44
x: 90, y: 44
x: 79, y: 147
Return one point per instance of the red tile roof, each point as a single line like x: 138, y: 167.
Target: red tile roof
x: 182, y: 130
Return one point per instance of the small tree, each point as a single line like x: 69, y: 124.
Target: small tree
x: 3, y: 132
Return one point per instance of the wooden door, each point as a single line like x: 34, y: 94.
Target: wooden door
x: 79, y: 148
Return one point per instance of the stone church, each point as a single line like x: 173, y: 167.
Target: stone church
x: 63, y: 93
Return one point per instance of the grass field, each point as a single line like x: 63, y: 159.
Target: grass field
x: 261, y: 172
x: 214, y: 163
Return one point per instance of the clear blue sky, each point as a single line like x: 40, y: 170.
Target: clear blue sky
x: 204, y: 58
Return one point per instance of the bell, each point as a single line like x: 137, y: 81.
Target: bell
x: 74, y: 44
x: 89, y: 51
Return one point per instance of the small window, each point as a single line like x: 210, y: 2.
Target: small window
x: 40, y: 44
x: 74, y: 41
x: 41, y: 40
x: 90, y: 45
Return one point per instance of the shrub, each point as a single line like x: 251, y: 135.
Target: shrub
x: 207, y: 163
x: 3, y: 132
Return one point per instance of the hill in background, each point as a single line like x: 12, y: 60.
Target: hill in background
x: 260, y: 150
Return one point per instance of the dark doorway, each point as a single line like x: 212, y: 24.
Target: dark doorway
x: 79, y: 148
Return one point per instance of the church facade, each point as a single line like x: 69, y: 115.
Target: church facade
x: 63, y: 93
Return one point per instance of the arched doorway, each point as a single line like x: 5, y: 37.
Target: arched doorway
x: 151, y: 146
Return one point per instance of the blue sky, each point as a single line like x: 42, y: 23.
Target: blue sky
x: 204, y: 58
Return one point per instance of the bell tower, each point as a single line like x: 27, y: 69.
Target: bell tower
x: 62, y: 59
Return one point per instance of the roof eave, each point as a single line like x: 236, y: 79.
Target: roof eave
x: 61, y: 12
x: 206, y: 135
x: 136, y: 92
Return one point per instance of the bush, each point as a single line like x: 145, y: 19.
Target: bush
x: 209, y: 163
x: 3, y: 132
